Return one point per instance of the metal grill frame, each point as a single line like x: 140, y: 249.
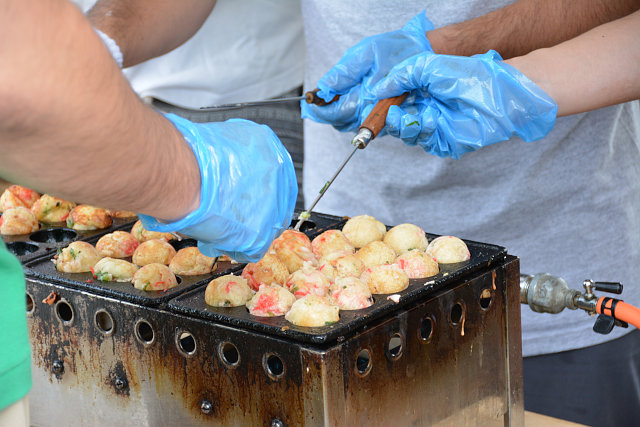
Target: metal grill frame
x: 87, y: 376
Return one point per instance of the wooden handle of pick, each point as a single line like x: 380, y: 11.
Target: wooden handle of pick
x: 312, y: 98
x: 376, y: 119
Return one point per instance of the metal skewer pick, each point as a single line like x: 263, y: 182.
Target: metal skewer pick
x: 370, y: 128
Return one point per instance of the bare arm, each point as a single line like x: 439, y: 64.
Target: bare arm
x: 596, y: 69
x: 527, y: 25
x: 144, y: 29
x: 70, y: 124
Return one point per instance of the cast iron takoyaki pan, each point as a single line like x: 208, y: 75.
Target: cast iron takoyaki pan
x: 43, y: 269
x: 482, y: 256
x: 50, y: 237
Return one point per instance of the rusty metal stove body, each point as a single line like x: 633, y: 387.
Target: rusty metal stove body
x: 452, y: 357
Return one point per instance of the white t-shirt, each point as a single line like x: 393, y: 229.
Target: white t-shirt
x: 568, y: 205
x: 247, y: 50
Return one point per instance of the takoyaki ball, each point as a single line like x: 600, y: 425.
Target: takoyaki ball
x: 227, y: 291
x: 118, y: 244
x: 114, y: 270
x: 226, y: 258
x: 327, y: 269
x: 17, y: 196
x: 191, y: 262
x: 308, y: 280
x: 350, y: 293
x: 18, y: 221
x: 153, y: 251
x: 363, y: 229
x: 376, y: 253
x: 417, y: 264
x: 385, y: 279
x: 448, y: 249
x: 78, y: 257
x: 313, y: 310
x: 265, y: 272
x: 293, y: 248
x: 331, y: 241
x: 121, y: 214
x: 404, y: 237
x: 140, y: 233
x: 154, y: 277
x: 85, y: 217
x: 270, y: 301
x: 344, y: 264
x: 50, y: 209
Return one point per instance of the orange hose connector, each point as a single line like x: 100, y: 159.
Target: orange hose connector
x: 619, y: 310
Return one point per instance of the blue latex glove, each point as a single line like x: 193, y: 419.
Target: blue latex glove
x: 360, y: 68
x: 460, y: 104
x: 248, y: 188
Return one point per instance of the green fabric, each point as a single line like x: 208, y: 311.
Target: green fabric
x: 15, y: 355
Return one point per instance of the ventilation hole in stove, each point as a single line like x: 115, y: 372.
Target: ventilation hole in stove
x: 426, y: 328
x: 273, y: 366
x: 395, y: 346
x: 64, y: 312
x: 485, y: 298
x: 306, y: 226
x: 457, y: 313
x: 363, y: 362
x: 104, y: 321
x: 21, y: 248
x: 186, y: 343
x: 144, y: 332
x: 30, y: 305
x: 229, y: 354
x: 53, y: 235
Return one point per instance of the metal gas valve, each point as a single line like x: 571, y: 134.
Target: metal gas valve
x: 546, y: 293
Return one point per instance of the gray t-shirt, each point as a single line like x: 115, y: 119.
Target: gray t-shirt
x: 568, y: 205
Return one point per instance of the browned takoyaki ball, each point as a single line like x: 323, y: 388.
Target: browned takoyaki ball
x: 341, y: 264
x: 265, y: 272
x: 417, y: 264
x: 121, y: 214
x: 154, y: 277
x: 385, y: 279
x: 448, y: 249
x: 17, y: 196
x: 293, y: 248
x: 118, y: 244
x: 18, y: 220
x: 140, y: 233
x: 227, y: 291
x: 85, y: 217
x: 308, y: 280
x: 50, y: 209
x: 350, y: 293
x: 191, y: 262
x: 313, y: 311
x: 153, y: 251
x: 331, y: 241
x: 376, y: 253
x: 270, y: 300
x: 78, y: 257
x: 114, y: 270
x: 363, y: 229
x: 404, y: 237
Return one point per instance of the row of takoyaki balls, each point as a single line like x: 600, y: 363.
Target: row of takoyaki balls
x: 22, y: 209
x: 154, y: 262
x: 310, y: 281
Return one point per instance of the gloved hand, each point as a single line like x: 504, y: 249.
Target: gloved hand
x: 248, y: 188
x: 360, y: 68
x: 460, y: 104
